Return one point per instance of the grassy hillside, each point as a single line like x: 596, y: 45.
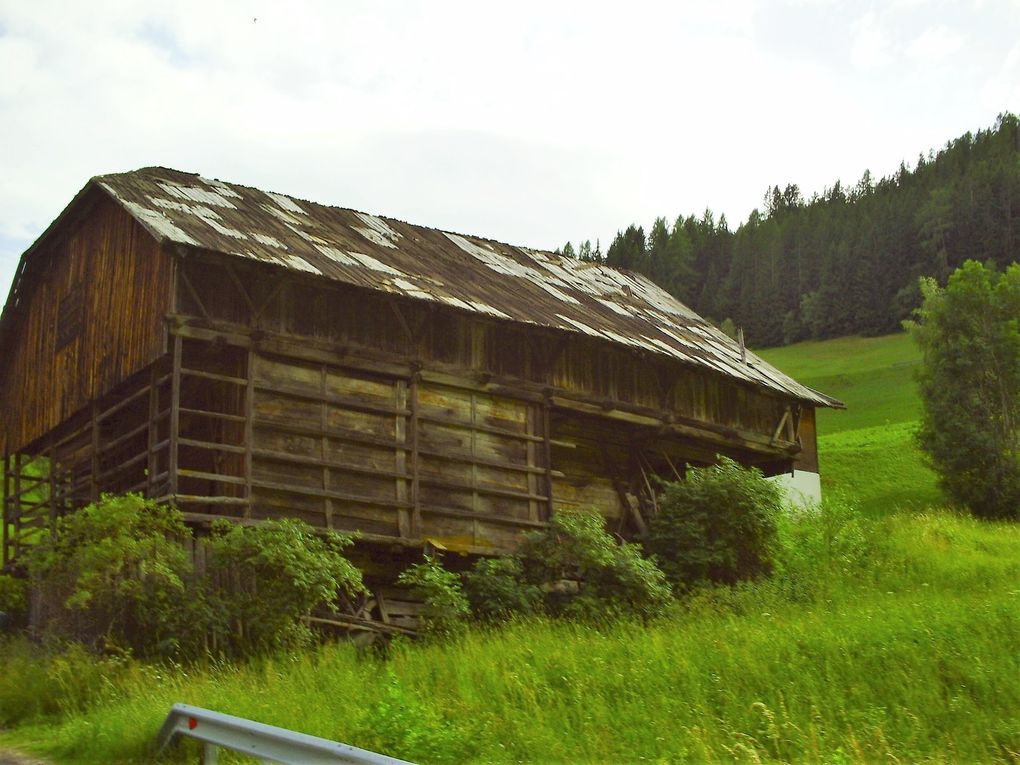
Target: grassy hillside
x: 898, y: 640
x: 866, y: 450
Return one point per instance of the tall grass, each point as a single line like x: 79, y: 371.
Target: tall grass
x: 895, y: 639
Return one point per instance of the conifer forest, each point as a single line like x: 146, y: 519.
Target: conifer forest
x: 845, y: 260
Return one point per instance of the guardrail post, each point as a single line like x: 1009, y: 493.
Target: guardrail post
x: 210, y: 754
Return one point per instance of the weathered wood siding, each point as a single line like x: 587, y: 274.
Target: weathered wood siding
x: 394, y: 328
x: 95, y: 295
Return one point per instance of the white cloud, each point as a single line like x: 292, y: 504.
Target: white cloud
x: 871, y: 47
x: 529, y: 122
x: 935, y: 44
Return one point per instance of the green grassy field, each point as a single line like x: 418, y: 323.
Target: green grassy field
x: 866, y: 450
x: 887, y: 634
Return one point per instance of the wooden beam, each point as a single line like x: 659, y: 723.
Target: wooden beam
x: 547, y: 454
x: 53, y: 483
x: 175, y: 411
x: 400, y: 427
x: 240, y: 287
x: 150, y: 467
x: 782, y: 423
x: 249, y: 428
x: 94, y: 493
x: 194, y: 295
x: 8, y: 506
x: 324, y: 444
x: 414, y: 425
x: 16, y: 514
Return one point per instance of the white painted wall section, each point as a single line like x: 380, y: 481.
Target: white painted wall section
x: 802, y: 488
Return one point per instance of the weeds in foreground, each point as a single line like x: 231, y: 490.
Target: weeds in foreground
x: 907, y: 649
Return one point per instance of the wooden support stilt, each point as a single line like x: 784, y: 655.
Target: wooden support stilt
x: 152, y: 436
x: 547, y: 454
x: 51, y: 469
x: 8, y: 507
x: 16, y: 506
x: 249, y: 430
x: 672, y: 467
x: 400, y: 427
x: 94, y: 481
x: 324, y: 447
x: 175, y: 414
x: 415, y: 490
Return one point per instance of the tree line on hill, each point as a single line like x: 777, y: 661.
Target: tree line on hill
x: 847, y: 260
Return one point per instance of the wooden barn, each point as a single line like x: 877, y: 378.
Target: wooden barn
x: 245, y: 354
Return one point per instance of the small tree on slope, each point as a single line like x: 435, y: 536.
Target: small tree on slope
x: 969, y: 334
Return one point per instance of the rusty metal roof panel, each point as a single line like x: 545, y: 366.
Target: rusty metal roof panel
x: 465, y: 272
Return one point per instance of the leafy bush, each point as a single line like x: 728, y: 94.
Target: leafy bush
x: 719, y: 525
x: 13, y: 601
x: 496, y: 589
x: 115, y: 573
x: 612, y: 578
x: 446, y: 606
x: 266, y: 577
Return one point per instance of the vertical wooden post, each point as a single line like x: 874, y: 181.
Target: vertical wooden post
x: 8, y: 506
x: 547, y: 449
x: 16, y: 505
x: 94, y: 485
x: 415, y: 493
x: 324, y: 444
x: 175, y: 413
x: 400, y: 458
x: 530, y: 428
x: 152, y: 440
x: 249, y: 432
x: 52, y: 470
x: 474, y: 465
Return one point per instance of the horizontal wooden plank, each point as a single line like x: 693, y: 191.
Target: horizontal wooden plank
x: 214, y: 415
x: 453, y: 512
x: 335, y: 434
x: 456, y: 422
x: 492, y: 491
x: 327, y: 494
x: 217, y: 477
x: 123, y: 466
x: 213, y: 447
x: 201, y: 373
x: 121, y: 440
x: 344, y: 467
x: 345, y: 402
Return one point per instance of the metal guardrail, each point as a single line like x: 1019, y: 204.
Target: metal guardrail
x: 265, y: 742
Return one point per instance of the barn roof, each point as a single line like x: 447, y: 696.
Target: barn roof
x: 466, y: 272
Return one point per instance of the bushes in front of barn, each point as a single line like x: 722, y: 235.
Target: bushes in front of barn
x: 264, y: 578
x: 110, y: 576
x: 720, y: 526
x: 572, y: 569
x: 717, y: 526
x: 116, y: 577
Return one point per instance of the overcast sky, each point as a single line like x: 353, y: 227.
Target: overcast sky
x: 531, y: 123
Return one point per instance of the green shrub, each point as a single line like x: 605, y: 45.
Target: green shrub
x: 496, y: 589
x: 719, y: 525
x: 612, y: 578
x: 446, y: 606
x: 265, y: 577
x: 115, y: 573
x: 13, y: 601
